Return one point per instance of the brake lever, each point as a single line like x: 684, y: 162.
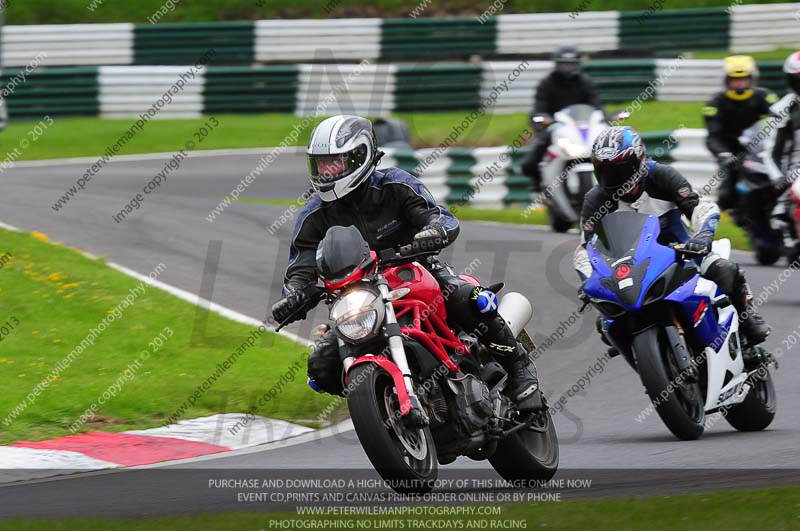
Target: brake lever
x: 314, y: 294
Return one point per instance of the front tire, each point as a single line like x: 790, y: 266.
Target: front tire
x: 404, y: 457
x: 558, y: 223
x: 528, y: 455
x: 681, y: 407
x: 757, y: 410
x: 767, y: 255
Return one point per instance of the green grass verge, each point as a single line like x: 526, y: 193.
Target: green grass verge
x: 261, y: 130
x: 76, y: 11
x: 774, y: 508
x: 726, y: 229
x: 769, y: 55
x: 57, y: 295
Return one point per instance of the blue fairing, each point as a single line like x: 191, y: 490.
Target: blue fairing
x: 650, y: 259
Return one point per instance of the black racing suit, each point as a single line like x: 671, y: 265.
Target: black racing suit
x: 726, y: 119
x: 555, y: 92
x: 388, y: 209
x: 668, y: 195
x: 786, y: 151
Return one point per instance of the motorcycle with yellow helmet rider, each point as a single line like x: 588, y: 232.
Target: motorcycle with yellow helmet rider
x: 731, y: 111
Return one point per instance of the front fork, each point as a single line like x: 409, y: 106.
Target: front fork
x: 416, y: 414
x: 398, y: 354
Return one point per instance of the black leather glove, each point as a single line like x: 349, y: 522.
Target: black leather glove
x: 582, y: 296
x: 293, y: 299
x: 698, y: 244
x: 431, y: 238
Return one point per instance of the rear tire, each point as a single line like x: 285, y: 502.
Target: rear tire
x: 404, y: 457
x: 757, y: 410
x: 681, y: 409
x: 528, y: 455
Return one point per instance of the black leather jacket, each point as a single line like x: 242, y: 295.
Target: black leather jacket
x: 726, y: 119
x: 388, y: 210
x: 557, y: 91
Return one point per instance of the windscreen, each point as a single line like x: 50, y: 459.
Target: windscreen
x: 579, y: 113
x: 618, y: 232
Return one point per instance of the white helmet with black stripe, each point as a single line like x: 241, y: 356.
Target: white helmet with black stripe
x: 791, y: 67
x: 342, y: 154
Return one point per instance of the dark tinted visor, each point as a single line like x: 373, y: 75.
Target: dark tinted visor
x: 614, y: 175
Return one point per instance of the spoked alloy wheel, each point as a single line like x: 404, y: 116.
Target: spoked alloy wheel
x: 678, y: 402
x: 404, y: 456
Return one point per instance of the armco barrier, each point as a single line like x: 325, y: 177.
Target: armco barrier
x: 180, y: 44
x: 328, y: 41
x: 675, y: 30
x: 489, y: 177
x: 765, y: 26
x: 661, y: 32
x: 53, y: 92
x: 370, y: 89
x: 240, y: 89
x: 67, y: 44
x: 130, y: 90
x: 539, y: 33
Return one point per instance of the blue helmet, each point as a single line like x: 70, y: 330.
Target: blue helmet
x: 618, y: 156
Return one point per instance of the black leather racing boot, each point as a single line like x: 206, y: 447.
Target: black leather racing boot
x: 731, y: 280
x: 753, y: 326
x: 523, y: 383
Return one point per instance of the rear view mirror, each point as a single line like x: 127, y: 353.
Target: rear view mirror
x: 541, y: 121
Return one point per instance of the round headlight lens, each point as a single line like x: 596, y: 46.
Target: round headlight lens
x: 358, y: 326
x: 355, y: 314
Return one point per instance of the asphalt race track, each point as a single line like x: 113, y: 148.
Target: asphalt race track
x: 234, y: 261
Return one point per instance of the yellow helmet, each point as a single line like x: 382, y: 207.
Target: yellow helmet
x: 741, y: 75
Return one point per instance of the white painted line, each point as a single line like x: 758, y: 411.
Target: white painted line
x: 20, y: 464
x: 189, y: 297
x: 225, y: 430
x: 210, y: 306
x: 346, y: 426
x: 6, y: 226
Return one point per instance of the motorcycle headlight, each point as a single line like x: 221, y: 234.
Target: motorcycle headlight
x: 570, y: 148
x: 357, y: 315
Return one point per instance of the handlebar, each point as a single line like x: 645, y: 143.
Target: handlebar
x: 679, y: 248
x: 401, y: 255
x: 313, y: 295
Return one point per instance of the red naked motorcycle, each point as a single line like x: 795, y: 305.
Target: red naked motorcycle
x: 420, y: 391
x: 794, y: 211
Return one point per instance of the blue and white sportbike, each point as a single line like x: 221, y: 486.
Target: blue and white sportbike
x: 676, y: 328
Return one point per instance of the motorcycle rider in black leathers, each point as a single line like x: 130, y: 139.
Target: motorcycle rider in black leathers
x: 628, y: 181
x: 729, y: 113
x: 786, y: 152
x: 564, y: 86
x: 390, y: 208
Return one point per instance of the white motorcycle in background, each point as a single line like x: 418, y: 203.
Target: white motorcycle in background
x: 566, y: 168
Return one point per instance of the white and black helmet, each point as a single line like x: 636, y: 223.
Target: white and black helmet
x: 792, y: 70
x: 342, y: 153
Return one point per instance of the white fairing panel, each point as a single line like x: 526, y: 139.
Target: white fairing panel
x: 726, y: 356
